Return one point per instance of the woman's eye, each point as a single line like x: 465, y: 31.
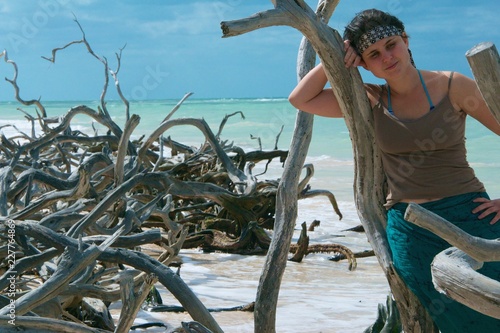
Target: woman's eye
x: 390, y: 45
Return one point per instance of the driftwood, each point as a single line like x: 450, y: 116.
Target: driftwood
x: 369, y: 183
x: 78, y: 213
x: 485, y: 64
x: 388, y: 318
x: 133, y: 301
x: 170, y: 308
x: 454, y: 270
x: 286, y: 208
x: 302, y: 248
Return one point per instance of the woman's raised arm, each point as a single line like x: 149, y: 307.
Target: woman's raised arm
x: 310, y: 95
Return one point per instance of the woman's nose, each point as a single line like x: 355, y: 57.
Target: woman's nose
x: 386, y: 56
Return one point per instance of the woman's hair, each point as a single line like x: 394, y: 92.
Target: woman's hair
x: 366, y: 21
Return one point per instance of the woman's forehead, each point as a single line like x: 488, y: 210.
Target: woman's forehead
x: 380, y: 44
x: 376, y: 34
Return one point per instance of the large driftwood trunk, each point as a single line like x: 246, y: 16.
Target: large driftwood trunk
x: 454, y: 270
x: 369, y: 179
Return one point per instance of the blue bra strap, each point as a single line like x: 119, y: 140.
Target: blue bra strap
x: 389, y: 104
x: 426, y: 91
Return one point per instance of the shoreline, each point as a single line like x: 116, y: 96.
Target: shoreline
x: 316, y: 295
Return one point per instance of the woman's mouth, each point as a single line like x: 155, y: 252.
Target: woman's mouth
x: 391, y: 66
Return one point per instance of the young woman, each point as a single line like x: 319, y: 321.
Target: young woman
x: 419, y: 121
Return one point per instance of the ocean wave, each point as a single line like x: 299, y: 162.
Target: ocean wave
x: 212, y: 100
x: 234, y: 100
x: 13, y: 127
x: 282, y: 99
x: 493, y: 164
x: 328, y: 159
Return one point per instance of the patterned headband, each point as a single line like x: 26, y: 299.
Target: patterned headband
x: 376, y: 34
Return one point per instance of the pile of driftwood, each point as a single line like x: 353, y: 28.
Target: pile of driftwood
x: 78, y: 211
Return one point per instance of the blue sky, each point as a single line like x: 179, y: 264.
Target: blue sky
x: 175, y: 46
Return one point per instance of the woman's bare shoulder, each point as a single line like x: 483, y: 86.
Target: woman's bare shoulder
x: 441, y: 78
x: 374, y: 91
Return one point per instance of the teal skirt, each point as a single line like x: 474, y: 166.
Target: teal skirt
x: 413, y: 249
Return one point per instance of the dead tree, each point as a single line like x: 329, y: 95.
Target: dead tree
x: 286, y: 204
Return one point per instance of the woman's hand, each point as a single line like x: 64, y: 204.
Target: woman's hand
x: 488, y: 207
x: 351, y: 58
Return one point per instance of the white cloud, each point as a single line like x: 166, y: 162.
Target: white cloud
x: 192, y: 19
x: 84, y: 2
x: 198, y: 17
x: 5, y: 7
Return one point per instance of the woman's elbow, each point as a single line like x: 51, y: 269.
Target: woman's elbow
x: 295, y: 100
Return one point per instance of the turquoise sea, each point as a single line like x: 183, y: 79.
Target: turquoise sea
x: 330, y: 150
x: 316, y: 295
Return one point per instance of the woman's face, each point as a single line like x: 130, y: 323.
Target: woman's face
x: 387, y: 57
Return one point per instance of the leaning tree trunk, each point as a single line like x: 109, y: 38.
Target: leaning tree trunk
x: 369, y: 179
x: 286, y: 199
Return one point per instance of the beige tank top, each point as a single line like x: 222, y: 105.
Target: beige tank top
x: 426, y: 157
